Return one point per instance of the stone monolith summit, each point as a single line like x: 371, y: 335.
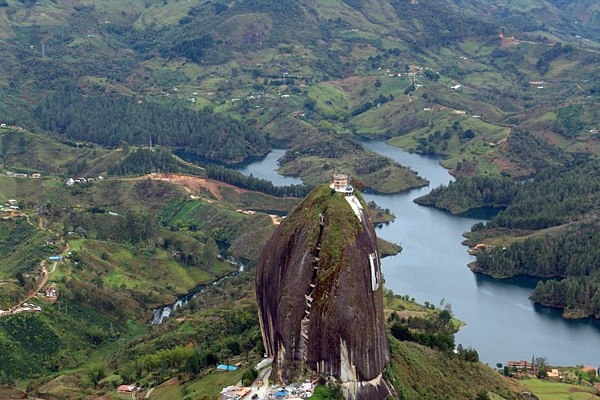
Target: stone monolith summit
x: 319, y: 291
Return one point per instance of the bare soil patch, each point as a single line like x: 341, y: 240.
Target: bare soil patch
x: 194, y: 184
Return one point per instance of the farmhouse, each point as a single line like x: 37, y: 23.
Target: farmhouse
x: 126, y: 388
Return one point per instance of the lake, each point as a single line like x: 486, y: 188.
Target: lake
x: 502, y: 323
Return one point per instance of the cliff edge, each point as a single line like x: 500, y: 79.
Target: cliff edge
x: 319, y: 292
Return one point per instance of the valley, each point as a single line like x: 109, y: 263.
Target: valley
x: 126, y: 128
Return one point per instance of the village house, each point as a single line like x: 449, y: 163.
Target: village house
x: 554, y: 374
x: 520, y: 365
x: 50, y: 291
x: 16, y: 174
x: 234, y: 392
x: 126, y: 389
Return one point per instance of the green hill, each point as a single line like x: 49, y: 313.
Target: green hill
x: 358, y: 67
x: 114, y: 88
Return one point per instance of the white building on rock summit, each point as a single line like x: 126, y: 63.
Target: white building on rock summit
x: 340, y: 184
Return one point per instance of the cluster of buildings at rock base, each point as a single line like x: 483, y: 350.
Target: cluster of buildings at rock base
x: 294, y: 391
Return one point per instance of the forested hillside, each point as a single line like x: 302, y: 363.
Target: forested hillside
x: 549, y: 229
x: 116, y: 120
x: 466, y: 86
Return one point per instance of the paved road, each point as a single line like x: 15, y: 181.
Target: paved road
x: 261, y: 384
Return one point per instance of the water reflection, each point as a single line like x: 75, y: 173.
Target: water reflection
x: 266, y: 168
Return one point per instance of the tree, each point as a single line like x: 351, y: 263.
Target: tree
x: 541, y: 364
x: 249, y: 376
x: 5, y: 379
x: 210, y: 252
x: 95, y: 372
x: 482, y: 395
x: 592, y: 374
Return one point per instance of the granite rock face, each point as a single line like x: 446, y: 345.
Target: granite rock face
x: 320, y: 297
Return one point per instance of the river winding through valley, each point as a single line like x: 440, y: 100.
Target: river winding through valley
x: 502, y: 323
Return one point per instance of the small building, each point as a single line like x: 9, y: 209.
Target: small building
x: 234, y: 392
x: 587, y: 368
x: 226, y: 368
x: 70, y: 182
x: 520, y: 365
x: 50, y: 292
x: 126, y: 388
x: 55, y: 258
x: 554, y: 374
x: 340, y: 184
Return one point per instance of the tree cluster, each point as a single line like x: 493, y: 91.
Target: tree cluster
x: 240, y: 180
x: 544, y: 60
x: 227, y: 334
x: 555, y: 196
x: 435, y: 331
x: 144, y: 161
x: 578, y: 296
x: 370, y: 104
x: 455, y: 26
x: 130, y: 227
x: 116, y: 120
x: 471, y: 192
x: 327, y: 146
x: 574, y: 251
x: 568, y: 201
x: 533, y: 154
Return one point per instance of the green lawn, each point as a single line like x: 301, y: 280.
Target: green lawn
x: 550, y: 390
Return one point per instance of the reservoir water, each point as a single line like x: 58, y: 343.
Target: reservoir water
x: 502, y: 323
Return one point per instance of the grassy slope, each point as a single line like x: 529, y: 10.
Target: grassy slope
x: 419, y: 372
x: 108, y: 283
